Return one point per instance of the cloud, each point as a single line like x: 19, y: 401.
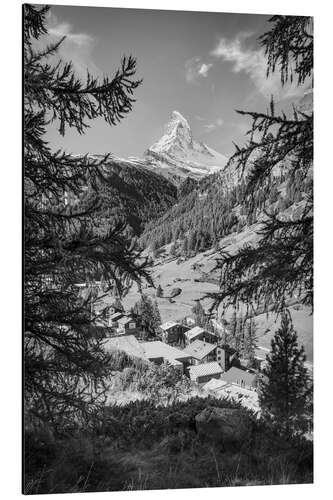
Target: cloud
x: 77, y: 47
x: 253, y: 62
x: 203, y: 70
x: 209, y: 127
x: 78, y: 39
x: 195, y: 69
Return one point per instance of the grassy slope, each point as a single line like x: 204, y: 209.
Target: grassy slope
x: 170, y: 275
x: 146, y: 447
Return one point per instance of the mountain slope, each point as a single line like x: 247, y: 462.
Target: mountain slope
x: 177, y: 155
x: 134, y: 195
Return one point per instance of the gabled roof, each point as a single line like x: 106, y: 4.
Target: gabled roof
x: 168, y: 324
x: 194, y: 332
x: 158, y: 349
x: 116, y: 308
x: 125, y: 320
x: 116, y: 315
x: 128, y: 344
x: 205, y: 369
x: 199, y: 349
x: 261, y: 353
x: 215, y: 384
x: 237, y: 376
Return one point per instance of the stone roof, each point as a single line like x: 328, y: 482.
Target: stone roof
x: 194, y: 332
x: 116, y: 315
x: 168, y: 324
x: 237, y: 376
x: 215, y: 384
x: 158, y: 349
x: 199, y: 349
x: 125, y: 320
x: 128, y: 344
x: 205, y: 369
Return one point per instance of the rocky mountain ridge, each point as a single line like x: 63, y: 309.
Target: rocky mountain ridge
x: 178, y: 153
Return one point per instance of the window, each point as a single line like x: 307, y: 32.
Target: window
x: 131, y: 326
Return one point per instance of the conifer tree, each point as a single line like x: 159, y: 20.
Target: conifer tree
x: 156, y: 315
x: 159, y: 291
x: 233, y: 324
x: 281, y: 263
x: 173, y: 249
x: 148, y: 314
x: 199, y: 314
x: 64, y: 368
x: 250, y: 341
x: 192, y: 241
x: 286, y: 390
x: 185, y: 246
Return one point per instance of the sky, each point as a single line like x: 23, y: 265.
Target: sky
x: 204, y: 65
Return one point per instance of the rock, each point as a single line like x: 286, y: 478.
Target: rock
x: 223, y: 424
x: 175, y: 292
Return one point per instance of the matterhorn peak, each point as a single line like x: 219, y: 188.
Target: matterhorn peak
x: 178, y: 117
x: 177, y: 134
x: 179, y: 154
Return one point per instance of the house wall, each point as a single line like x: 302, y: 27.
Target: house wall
x: 174, y: 335
x: 210, y: 357
x: 212, y: 339
x: 200, y: 336
x: 126, y: 330
x: 207, y: 378
x: 223, y: 358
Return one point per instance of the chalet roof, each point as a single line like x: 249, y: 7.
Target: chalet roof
x: 125, y: 320
x: 215, y: 384
x: 168, y: 324
x: 194, y: 332
x: 205, y: 369
x: 116, y: 308
x: 116, y: 315
x: 158, y: 349
x: 199, y: 349
x: 261, y: 353
x: 237, y: 376
x: 128, y: 344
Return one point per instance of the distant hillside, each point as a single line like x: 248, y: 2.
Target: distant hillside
x: 134, y: 195
x: 213, y: 210
x: 140, y: 190
x: 212, y: 207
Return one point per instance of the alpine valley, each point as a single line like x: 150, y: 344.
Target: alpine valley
x: 182, y: 203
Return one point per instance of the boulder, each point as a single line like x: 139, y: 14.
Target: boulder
x: 175, y: 292
x: 223, y: 424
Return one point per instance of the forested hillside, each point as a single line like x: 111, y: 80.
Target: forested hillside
x: 133, y: 195
x: 213, y: 208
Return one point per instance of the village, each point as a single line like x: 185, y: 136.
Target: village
x: 213, y: 367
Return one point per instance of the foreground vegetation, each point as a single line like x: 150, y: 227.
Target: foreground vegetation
x: 141, y: 446
x: 153, y: 443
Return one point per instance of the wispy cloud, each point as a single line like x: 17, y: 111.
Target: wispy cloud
x: 253, y: 62
x: 203, y: 70
x: 209, y: 127
x: 77, y: 47
x: 78, y: 39
x: 195, y: 69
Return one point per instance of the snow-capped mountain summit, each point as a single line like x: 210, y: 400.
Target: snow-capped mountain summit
x: 177, y: 136
x: 178, y: 154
